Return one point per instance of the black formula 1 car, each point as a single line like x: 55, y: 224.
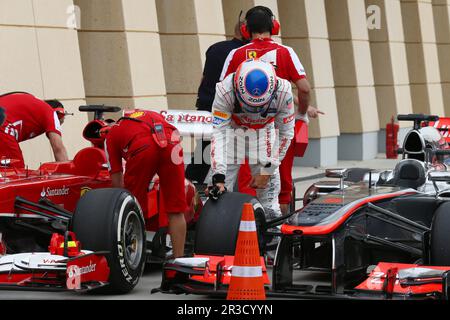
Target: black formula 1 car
x: 380, y: 237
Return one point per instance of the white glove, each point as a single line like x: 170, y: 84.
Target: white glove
x: 302, y: 117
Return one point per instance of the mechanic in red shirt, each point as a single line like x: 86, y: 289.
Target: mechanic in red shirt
x: 150, y: 146
x: 260, y: 24
x: 28, y: 117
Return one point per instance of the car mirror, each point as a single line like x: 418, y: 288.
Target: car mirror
x: 439, y: 176
x: 336, y: 173
x: 385, y: 175
x: 5, y: 162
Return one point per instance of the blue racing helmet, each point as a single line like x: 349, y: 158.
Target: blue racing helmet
x: 255, y: 83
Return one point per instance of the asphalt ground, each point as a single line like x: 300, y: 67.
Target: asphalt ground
x: 152, y: 275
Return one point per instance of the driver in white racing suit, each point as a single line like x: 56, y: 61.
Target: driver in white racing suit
x: 253, y: 116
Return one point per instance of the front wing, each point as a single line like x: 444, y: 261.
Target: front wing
x: 386, y: 281
x: 204, y: 275
x: 45, y: 271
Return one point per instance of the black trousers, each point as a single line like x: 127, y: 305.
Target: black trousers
x: 198, y: 172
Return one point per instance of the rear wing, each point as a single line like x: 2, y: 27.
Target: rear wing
x: 197, y: 124
x: 443, y: 125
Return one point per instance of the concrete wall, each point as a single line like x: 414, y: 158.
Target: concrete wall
x: 389, y: 65
x: 150, y: 54
x: 121, y: 53
x: 422, y: 56
x: 41, y: 55
x: 441, y: 15
x: 199, y: 24
x: 305, y: 30
x: 353, y: 78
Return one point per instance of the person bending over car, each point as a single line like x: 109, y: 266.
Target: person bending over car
x: 260, y: 24
x: 150, y: 146
x: 28, y: 117
x: 252, y: 106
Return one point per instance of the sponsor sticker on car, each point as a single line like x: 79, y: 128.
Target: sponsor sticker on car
x: 49, y: 192
x: 84, y: 190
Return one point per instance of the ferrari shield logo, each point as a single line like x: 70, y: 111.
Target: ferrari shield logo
x: 252, y: 54
x: 136, y: 114
x: 84, y: 190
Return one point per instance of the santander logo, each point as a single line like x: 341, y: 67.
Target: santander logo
x: 48, y: 192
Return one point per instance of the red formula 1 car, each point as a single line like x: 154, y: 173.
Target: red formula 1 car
x: 62, y: 227
x: 385, y: 236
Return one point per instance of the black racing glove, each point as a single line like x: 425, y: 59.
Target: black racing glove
x: 214, y: 191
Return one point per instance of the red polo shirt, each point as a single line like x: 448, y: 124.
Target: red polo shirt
x: 286, y: 62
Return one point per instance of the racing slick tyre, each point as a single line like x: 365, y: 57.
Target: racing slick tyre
x: 111, y: 220
x: 440, y: 236
x: 218, y: 226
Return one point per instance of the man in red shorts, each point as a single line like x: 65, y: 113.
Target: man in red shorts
x: 260, y: 24
x: 28, y: 117
x: 150, y: 146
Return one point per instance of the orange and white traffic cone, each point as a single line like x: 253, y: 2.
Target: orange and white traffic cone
x: 247, y: 281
